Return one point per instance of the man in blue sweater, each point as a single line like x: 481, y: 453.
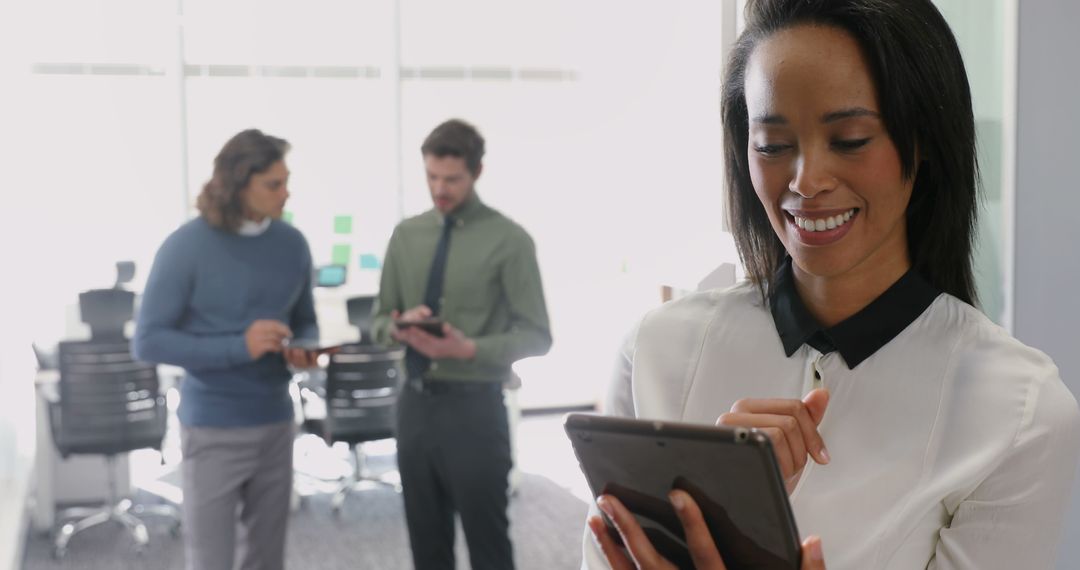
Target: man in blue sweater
x: 226, y: 291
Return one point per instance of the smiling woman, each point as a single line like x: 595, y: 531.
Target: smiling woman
x: 911, y: 431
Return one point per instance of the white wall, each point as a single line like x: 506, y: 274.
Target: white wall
x: 1047, y: 307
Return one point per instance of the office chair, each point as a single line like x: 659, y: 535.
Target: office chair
x: 362, y: 385
x: 359, y: 310
x: 108, y: 310
x: 109, y: 404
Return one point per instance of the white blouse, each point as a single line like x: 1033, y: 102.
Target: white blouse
x: 952, y: 446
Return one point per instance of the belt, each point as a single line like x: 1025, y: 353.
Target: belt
x: 422, y: 386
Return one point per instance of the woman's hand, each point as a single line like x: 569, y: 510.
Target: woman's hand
x: 643, y: 555
x: 791, y: 426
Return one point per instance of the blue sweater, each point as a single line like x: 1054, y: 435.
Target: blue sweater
x: 206, y: 287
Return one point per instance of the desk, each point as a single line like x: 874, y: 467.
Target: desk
x: 17, y: 448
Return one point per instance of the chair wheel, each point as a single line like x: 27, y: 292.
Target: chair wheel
x: 174, y: 530
x: 58, y: 553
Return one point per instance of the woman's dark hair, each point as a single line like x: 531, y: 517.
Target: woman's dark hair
x: 456, y: 138
x: 248, y: 152
x: 925, y: 105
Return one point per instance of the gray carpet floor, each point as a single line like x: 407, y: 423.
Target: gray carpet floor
x: 546, y: 520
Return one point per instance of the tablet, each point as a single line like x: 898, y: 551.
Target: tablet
x: 431, y: 325
x: 731, y: 473
x: 312, y: 345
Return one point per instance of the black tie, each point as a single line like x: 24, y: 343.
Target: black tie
x: 417, y: 363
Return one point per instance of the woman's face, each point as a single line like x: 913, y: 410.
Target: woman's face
x: 820, y: 159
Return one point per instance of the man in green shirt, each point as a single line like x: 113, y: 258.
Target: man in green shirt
x: 475, y: 271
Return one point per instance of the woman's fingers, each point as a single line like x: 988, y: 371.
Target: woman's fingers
x: 788, y: 441
x: 808, y: 413
x: 612, y: 552
x: 641, y: 550
x: 812, y: 556
x: 698, y: 538
x: 816, y: 401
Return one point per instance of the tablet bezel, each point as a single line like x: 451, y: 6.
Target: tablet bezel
x: 647, y: 435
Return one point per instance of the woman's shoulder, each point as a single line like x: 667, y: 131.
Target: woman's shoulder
x: 682, y: 323
x: 981, y: 340
x: 996, y: 371
x: 700, y: 307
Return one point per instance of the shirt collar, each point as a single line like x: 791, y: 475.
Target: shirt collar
x: 249, y: 228
x: 469, y: 210
x: 860, y: 335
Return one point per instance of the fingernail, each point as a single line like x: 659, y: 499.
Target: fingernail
x: 605, y: 505
x: 815, y: 549
x: 592, y: 528
x: 825, y: 454
x: 677, y: 500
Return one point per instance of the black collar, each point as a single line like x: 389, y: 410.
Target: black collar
x: 860, y: 335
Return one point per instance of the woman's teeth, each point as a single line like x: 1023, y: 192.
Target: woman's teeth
x: 822, y: 224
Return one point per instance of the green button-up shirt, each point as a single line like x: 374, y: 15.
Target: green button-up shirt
x: 492, y: 290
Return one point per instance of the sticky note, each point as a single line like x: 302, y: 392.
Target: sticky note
x: 369, y: 261
x: 342, y: 224
x: 341, y: 254
x: 286, y: 217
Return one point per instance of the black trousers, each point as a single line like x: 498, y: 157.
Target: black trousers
x: 453, y: 446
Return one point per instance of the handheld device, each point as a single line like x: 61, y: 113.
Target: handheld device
x: 731, y: 473
x: 432, y: 325
x: 312, y: 345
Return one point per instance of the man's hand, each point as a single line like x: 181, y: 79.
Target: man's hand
x: 453, y: 344
x: 417, y: 313
x: 265, y: 336
x: 642, y: 553
x: 790, y: 424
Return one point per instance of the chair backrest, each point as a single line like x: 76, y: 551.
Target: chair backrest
x: 46, y: 359
x: 359, y: 309
x: 106, y: 311
x: 109, y: 403
x: 362, y: 385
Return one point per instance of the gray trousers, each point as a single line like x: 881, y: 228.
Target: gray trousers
x: 236, y: 475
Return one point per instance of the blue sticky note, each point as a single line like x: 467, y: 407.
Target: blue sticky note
x: 369, y: 261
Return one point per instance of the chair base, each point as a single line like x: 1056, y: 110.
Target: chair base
x: 352, y: 484
x: 120, y: 512
x: 360, y: 479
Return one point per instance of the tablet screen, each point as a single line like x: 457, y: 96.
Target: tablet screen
x: 736, y: 485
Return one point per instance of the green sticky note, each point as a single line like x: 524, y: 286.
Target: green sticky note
x: 369, y: 261
x: 341, y: 254
x: 342, y: 224
x: 286, y: 217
